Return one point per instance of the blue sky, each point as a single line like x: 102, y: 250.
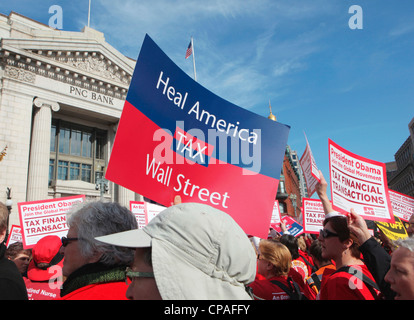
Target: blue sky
x: 355, y: 87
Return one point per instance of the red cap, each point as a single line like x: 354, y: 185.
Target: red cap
x: 46, y: 251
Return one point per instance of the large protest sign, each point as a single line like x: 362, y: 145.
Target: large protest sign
x: 144, y: 211
x: 175, y: 137
x: 313, y: 215
x: 402, y: 205
x: 358, y: 183
x: 45, y: 217
x: 310, y: 170
x: 393, y: 231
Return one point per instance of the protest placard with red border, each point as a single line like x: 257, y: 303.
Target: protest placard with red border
x: 309, y: 169
x: 45, y: 217
x: 402, y: 205
x: 358, y: 183
x: 276, y: 217
x: 313, y: 215
x: 138, y: 208
x: 15, y: 235
x: 144, y: 211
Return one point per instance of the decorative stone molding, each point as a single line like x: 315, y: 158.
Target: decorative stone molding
x: 25, y: 69
x: 40, y: 102
x: 19, y: 74
x: 91, y: 62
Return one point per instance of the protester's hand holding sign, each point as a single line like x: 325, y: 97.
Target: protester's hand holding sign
x: 358, y: 226
x: 321, y: 190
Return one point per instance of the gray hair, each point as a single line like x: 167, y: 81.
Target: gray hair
x: 407, y: 243
x: 95, y: 219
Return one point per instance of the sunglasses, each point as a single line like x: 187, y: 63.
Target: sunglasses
x: 325, y: 233
x: 130, y: 275
x: 66, y: 241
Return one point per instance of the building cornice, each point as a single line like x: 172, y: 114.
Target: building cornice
x: 86, y: 69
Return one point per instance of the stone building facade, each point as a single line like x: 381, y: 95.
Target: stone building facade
x: 400, y: 173
x: 61, y: 97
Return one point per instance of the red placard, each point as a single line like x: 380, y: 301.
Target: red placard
x: 402, y: 205
x: 45, y: 217
x: 358, y: 183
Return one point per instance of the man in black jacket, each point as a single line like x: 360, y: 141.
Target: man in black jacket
x: 376, y: 258
x: 12, y: 286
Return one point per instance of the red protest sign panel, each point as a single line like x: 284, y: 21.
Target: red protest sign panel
x: 358, y: 183
x: 402, y: 205
x: 309, y: 168
x: 15, y: 235
x: 313, y: 215
x: 276, y: 217
x: 45, y: 217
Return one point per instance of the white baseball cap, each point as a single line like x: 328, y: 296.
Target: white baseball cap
x: 198, y: 252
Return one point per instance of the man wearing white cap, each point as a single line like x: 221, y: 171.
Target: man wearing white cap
x: 188, y: 251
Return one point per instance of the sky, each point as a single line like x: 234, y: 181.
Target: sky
x: 322, y: 77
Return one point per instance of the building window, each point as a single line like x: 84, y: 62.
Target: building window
x: 282, y: 207
x: 76, y: 152
x: 282, y: 186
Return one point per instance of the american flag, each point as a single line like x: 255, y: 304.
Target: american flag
x: 189, y: 50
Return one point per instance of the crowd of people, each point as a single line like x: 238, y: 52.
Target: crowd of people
x: 196, y: 252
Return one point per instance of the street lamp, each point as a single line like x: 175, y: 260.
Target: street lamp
x: 292, y: 198
x: 9, y: 204
x: 102, y: 185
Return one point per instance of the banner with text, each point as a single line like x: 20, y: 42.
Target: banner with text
x: 45, y: 217
x: 393, y: 231
x: 144, y: 211
x: 402, y: 205
x: 309, y: 168
x: 175, y: 137
x: 313, y: 216
x: 358, y: 183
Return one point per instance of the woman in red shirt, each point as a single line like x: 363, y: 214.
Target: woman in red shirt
x: 341, y: 246
x: 351, y: 280
x: 273, y: 265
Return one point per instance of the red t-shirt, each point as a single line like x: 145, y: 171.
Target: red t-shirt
x: 42, y: 290
x: 263, y: 289
x: 345, y: 286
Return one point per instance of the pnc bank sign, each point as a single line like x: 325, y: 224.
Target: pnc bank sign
x: 91, y: 95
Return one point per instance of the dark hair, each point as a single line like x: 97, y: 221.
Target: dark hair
x: 340, y: 226
x: 292, y: 244
x: 315, y: 251
x: 14, y: 249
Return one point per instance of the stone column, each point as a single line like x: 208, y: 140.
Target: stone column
x: 37, y: 182
x: 125, y: 196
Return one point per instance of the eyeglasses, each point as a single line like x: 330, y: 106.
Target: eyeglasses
x: 325, y: 233
x: 130, y: 275
x: 66, y: 241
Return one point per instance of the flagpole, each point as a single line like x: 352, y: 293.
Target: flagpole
x: 195, y: 74
x: 89, y: 14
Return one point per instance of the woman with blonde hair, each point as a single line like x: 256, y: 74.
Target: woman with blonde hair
x: 272, y: 281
